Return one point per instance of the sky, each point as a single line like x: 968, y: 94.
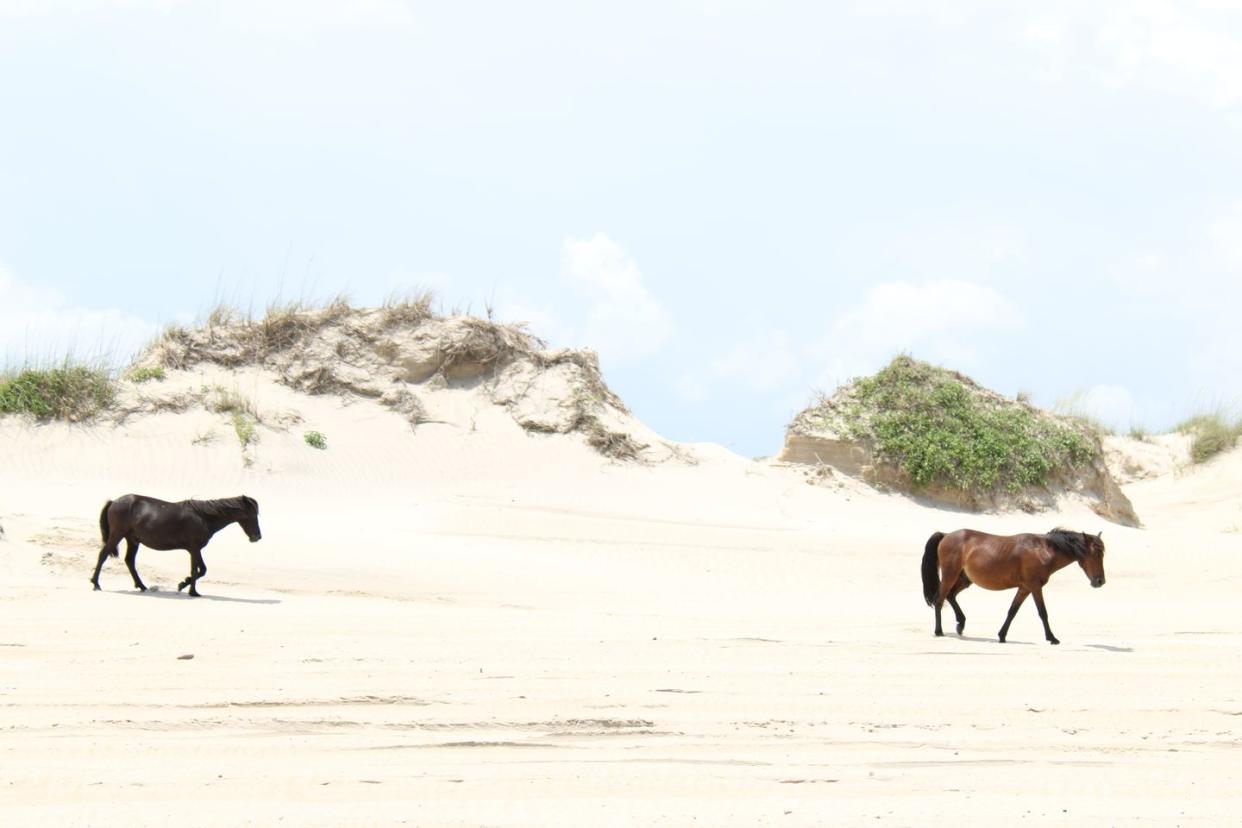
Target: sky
x: 736, y: 203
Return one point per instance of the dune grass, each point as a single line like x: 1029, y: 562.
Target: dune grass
x: 407, y: 309
x: 1211, y: 432
x: 943, y: 429
x: 146, y: 373
x: 315, y: 439
x: 72, y: 392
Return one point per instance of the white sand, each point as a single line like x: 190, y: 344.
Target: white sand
x: 470, y: 625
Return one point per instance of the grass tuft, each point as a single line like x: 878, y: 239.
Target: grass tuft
x: 315, y: 439
x: 407, y: 310
x: 74, y: 393
x: 227, y: 401
x: 1212, y: 433
x: 246, y: 427
x: 146, y: 373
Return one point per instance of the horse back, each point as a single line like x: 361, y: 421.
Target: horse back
x: 991, y: 561
x: 157, y: 523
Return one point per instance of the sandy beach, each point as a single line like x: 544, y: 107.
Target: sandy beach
x: 471, y: 624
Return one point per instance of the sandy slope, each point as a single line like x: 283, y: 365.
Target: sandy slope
x: 474, y: 625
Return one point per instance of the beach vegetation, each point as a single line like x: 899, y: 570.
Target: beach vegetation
x: 942, y: 429
x: 146, y: 373
x: 71, y: 392
x: 1211, y: 433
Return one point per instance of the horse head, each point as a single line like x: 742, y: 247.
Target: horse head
x: 249, y: 518
x: 1092, y: 562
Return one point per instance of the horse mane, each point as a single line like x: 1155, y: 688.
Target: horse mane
x: 1070, y: 543
x: 214, y: 508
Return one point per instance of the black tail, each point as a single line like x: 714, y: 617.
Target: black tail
x: 103, y: 524
x: 931, y: 568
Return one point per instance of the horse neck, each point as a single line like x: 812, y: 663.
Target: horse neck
x: 216, y: 522
x: 1060, y: 559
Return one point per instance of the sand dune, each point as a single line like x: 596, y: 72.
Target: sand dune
x: 471, y: 624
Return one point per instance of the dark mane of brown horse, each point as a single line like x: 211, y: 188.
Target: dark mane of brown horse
x: 1074, y: 544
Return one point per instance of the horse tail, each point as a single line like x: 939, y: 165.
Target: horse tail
x: 103, y: 524
x: 931, y: 568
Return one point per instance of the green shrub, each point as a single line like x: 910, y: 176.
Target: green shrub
x: 1211, y: 434
x: 71, y: 392
x: 941, y: 428
x: 315, y: 439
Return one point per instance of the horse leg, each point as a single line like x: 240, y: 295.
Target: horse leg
x: 1013, y: 610
x: 131, y: 556
x: 947, y: 584
x: 109, y: 548
x: 1038, y: 592
x: 197, y: 570
x: 962, y: 583
x: 189, y: 580
x: 103, y: 556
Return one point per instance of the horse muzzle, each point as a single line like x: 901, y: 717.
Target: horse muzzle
x: 1097, y: 582
x: 257, y: 538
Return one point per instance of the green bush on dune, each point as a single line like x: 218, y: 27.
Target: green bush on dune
x: 1210, y: 435
x: 70, y: 392
x: 941, y: 428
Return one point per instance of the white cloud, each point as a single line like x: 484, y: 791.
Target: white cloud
x: 946, y: 321
x: 540, y: 321
x: 37, y: 326
x: 623, y: 320
x: 1191, y: 48
x: 1187, y: 47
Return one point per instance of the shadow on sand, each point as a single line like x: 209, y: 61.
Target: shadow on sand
x: 1110, y: 648
x: 156, y: 592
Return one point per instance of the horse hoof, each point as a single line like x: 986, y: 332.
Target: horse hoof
x: 1053, y: 641
x: 960, y: 627
x: 1000, y: 640
x: 939, y: 633
x: 96, y: 588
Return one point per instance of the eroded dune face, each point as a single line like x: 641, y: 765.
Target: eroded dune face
x: 401, y: 355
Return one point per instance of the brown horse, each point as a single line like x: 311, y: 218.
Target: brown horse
x: 955, y: 561
x: 187, y: 524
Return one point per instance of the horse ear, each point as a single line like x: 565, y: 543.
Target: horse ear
x: 1100, y: 534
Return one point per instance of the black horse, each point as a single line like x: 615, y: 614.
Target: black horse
x: 159, y: 524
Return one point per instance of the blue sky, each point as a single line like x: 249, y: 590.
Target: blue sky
x: 735, y: 202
